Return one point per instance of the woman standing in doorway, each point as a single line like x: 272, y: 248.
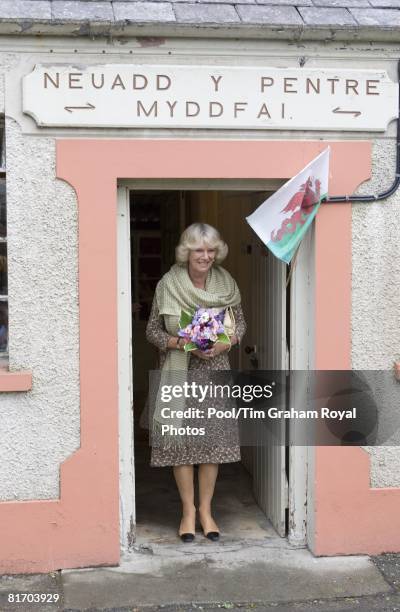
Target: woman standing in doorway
x: 196, y: 280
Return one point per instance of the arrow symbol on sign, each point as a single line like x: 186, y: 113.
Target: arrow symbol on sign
x: 346, y: 112
x: 72, y: 108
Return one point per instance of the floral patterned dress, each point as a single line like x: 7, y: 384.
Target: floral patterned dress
x: 220, y: 444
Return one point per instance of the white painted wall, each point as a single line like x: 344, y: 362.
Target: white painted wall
x: 376, y: 293
x: 41, y: 428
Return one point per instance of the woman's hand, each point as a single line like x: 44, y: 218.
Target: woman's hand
x: 219, y: 347
x: 200, y: 354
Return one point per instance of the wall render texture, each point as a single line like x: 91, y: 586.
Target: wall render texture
x: 40, y: 428
x: 376, y: 294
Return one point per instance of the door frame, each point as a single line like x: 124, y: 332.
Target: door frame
x: 127, y: 505
x: 298, y: 457
x: 302, y: 357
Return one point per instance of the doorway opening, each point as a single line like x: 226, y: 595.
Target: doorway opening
x: 251, y: 498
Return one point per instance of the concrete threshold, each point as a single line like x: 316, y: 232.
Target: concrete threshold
x: 259, y: 571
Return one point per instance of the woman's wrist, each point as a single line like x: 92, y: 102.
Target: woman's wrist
x: 173, y: 342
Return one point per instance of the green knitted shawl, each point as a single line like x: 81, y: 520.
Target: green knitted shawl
x: 175, y: 292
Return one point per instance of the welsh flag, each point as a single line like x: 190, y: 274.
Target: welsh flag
x: 283, y: 219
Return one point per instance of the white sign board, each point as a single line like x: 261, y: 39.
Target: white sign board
x: 147, y: 96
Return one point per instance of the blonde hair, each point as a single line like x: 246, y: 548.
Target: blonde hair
x: 194, y: 236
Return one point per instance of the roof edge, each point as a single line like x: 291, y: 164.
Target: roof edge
x: 127, y: 29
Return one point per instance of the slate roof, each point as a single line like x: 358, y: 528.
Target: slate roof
x: 373, y: 19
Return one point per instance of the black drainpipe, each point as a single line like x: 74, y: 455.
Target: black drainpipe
x: 396, y: 182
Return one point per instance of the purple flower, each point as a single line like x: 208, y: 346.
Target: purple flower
x: 204, y: 328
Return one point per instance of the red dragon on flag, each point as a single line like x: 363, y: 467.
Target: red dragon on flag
x: 283, y: 219
x: 302, y: 203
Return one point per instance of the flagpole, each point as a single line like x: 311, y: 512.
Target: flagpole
x: 292, y: 266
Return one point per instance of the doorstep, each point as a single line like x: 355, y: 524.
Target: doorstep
x: 254, y: 571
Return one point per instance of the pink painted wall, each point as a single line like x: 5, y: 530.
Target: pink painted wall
x: 349, y: 516
x: 82, y: 527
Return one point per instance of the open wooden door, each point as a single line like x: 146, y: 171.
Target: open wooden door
x: 266, y: 347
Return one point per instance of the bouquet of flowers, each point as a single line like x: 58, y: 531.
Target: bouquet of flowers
x: 203, y: 328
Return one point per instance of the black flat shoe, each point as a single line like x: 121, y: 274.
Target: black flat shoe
x: 212, y: 535
x: 187, y: 537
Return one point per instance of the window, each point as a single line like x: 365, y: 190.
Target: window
x: 3, y: 248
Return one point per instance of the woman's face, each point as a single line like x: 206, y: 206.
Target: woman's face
x: 201, y: 258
